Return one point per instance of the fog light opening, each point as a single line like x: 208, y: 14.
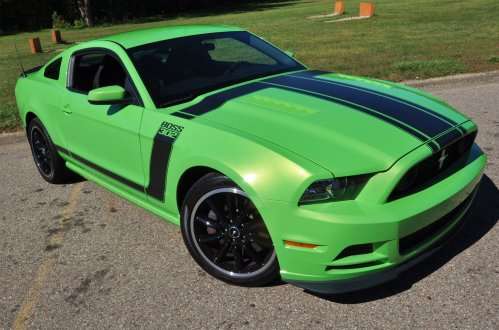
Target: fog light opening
x: 355, y: 250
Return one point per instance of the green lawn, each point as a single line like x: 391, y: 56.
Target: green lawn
x: 407, y: 39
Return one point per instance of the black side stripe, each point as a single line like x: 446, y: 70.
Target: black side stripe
x: 62, y: 150
x: 414, y: 117
x: 102, y: 170
x: 315, y: 74
x: 158, y: 166
x: 160, y: 156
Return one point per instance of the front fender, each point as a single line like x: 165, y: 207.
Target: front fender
x: 264, y: 171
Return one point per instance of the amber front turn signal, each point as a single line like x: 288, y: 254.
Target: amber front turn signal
x: 300, y: 244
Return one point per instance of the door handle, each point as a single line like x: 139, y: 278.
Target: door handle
x: 66, y: 109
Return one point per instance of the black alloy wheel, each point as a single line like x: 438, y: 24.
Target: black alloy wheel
x: 48, y: 162
x: 226, y: 234
x: 44, y: 159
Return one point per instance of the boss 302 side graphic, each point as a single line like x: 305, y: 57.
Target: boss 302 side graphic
x: 332, y: 182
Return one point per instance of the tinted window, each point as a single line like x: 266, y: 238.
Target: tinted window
x: 233, y: 50
x: 94, y: 70
x: 177, y: 70
x: 53, y: 69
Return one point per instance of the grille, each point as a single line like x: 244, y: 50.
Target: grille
x: 412, y: 241
x: 434, y: 168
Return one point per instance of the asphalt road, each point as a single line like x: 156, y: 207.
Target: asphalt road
x: 77, y: 256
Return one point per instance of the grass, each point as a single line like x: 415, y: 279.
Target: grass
x: 494, y: 59
x: 430, y: 68
x: 407, y: 39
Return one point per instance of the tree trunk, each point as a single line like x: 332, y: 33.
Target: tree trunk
x: 85, y: 9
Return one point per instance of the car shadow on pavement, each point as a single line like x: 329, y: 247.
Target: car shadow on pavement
x: 480, y: 219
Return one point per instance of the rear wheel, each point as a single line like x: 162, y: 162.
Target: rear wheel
x: 48, y: 162
x: 225, y: 233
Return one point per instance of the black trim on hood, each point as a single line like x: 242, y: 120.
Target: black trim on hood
x: 421, y: 122
x: 399, y: 110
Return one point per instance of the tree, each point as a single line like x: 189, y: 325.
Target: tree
x: 86, y: 13
x: 25, y: 15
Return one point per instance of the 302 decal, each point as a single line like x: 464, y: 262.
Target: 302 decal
x: 170, y: 130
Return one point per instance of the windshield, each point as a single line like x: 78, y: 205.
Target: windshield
x: 178, y: 70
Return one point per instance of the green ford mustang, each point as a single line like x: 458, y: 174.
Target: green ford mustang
x: 332, y: 182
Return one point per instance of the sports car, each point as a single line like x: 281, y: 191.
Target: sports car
x: 329, y: 181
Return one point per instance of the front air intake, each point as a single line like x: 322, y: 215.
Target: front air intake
x: 434, y: 168
x: 411, y: 242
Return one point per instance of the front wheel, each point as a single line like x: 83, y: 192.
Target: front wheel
x: 225, y: 233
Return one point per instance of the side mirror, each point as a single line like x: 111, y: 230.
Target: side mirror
x: 107, y: 95
x: 290, y: 53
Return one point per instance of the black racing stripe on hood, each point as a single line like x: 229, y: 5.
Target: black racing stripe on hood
x: 411, y: 116
x: 433, y: 146
x: 449, y: 137
x: 310, y: 73
x: 182, y: 115
x: 214, y: 101
x: 315, y: 74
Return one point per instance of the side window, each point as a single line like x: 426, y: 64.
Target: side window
x: 94, y: 70
x: 53, y: 69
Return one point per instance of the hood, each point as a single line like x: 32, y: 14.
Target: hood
x: 346, y: 124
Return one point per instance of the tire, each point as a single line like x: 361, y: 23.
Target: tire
x: 225, y: 233
x: 49, y: 164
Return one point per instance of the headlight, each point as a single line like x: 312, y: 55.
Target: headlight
x: 337, y: 189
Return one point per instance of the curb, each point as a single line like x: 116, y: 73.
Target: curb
x: 14, y: 137
x: 458, y: 78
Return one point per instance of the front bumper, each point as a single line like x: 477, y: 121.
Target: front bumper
x: 361, y: 244
x: 382, y: 276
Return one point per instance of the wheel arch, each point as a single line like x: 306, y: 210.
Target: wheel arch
x: 48, y: 117
x: 263, y: 170
x: 194, y: 172
x: 30, y: 115
x: 187, y: 180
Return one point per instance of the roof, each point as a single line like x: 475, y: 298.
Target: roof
x: 145, y: 36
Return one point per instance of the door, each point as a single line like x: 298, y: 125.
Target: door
x: 103, y: 137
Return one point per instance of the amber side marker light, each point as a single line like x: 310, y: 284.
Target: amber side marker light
x: 300, y: 244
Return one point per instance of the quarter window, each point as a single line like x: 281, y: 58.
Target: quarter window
x: 53, y: 69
